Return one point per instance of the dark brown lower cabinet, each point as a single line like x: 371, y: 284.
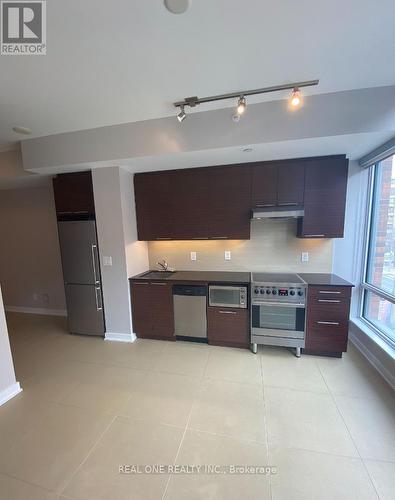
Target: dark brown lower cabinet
x: 328, y: 311
x: 228, y: 327
x: 152, y: 310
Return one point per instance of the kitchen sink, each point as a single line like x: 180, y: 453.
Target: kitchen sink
x: 157, y: 275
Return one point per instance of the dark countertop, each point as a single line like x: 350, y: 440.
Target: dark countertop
x: 324, y: 279
x: 201, y: 277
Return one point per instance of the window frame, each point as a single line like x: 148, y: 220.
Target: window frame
x: 365, y: 286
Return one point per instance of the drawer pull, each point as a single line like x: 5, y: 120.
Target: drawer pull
x: 329, y: 292
x: 219, y: 237
x: 227, y: 312
x: 328, y: 323
x: 288, y: 204
x: 266, y: 205
x: 141, y: 283
x: 329, y: 300
x: 159, y: 284
x: 163, y: 239
x: 314, y: 235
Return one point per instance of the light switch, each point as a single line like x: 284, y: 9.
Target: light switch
x: 193, y: 255
x: 107, y: 260
x: 227, y: 255
x: 305, y: 256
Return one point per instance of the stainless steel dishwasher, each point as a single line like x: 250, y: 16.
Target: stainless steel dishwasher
x: 190, y: 311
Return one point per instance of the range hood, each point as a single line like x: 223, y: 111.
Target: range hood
x: 284, y: 212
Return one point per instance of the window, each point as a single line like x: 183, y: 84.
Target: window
x: 379, y: 286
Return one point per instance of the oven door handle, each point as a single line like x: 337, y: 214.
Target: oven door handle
x: 278, y: 304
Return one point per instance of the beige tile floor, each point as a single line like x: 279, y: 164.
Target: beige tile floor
x: 327, y: 426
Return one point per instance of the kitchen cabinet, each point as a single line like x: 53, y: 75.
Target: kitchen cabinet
x: 228, y: 327
x: 74, y: 195
x: 154, y: 206
x: 328, y: 310
x: 152, y: 309
x: 324, y: 198
x: 202, y: 203
x: 278, y: 184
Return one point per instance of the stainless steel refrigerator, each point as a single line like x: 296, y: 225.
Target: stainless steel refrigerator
x: 81, y: 274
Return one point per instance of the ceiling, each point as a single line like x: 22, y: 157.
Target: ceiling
x: 127, y: 61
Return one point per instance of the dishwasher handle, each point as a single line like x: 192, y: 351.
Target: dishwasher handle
x: 190, y: 290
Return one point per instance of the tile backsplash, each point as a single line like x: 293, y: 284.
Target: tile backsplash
x: 273, y: 247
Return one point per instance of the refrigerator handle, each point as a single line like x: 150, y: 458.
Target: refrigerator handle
x: 98, y: 308
x: 94, y: 257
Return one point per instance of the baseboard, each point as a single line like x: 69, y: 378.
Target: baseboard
x: 36, y: 310
x: 373, y: 360
x: 120, y: 337
x: 10, y: 392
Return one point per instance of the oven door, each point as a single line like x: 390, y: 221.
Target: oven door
x: 227, y: 296
x: 278, y: 320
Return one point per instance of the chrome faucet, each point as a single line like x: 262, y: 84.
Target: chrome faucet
x: 163, y: 265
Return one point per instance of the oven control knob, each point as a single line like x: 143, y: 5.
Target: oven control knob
x: 256, y: 290
x: 274, y: 292
x: 292, y: 292
x: 300, y: 293
x: 268, y: 292
x: 262, y: 290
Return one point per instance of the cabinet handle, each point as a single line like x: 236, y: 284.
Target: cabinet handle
x: 94, y: 254
x: 141, y: 283
x: 159, y: 284
x: 98, y: 308
x: 328, y: 323
x: 329, y: 292
x: 202, y: 238
x: 219, y: 237
x: 287, y: 204
x: 266, y: 205
x: 329, y: 300
x: 314, y: 235
x: 227, y: 312
x: 163, y: 239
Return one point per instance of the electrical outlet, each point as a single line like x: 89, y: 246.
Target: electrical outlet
x: 193, y: 255
x: 305, y: 256
x: 227, y: 255
x: 107, y: 260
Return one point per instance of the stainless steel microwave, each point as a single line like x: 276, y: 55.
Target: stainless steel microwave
x: 228, y: 296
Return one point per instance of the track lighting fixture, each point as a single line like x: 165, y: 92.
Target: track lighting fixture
x: 241, y: 105
x: 181, y: 115
x: 296, y: 97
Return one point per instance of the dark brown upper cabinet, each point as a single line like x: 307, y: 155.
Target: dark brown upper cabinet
x: 324, y: 198
x: 278, y: 184
x: 154, y: 206
x: 74, y: 194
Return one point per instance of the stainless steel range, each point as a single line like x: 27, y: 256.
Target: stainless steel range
x: 278, y: 310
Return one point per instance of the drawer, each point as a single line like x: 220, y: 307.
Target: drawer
x: 327, y: 335
x: 329, y: 292
x: 228, y: 326
x: 329, y: 312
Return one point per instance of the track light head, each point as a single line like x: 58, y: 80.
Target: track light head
x: 241, y: 105
x: 181, y: 115
x: 296, y: 97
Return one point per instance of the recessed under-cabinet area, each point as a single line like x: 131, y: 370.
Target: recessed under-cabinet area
x: 217, y: 202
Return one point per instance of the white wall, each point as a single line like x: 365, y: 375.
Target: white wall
x: 9, y: 387
x: 273, y: 247
x: 116, y: 229
x: 30, y: 264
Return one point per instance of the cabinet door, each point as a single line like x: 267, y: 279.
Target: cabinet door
x: 154, y: 206
x: 229, y: 202
x: 264, y: 185
x: 290, y: 189
x: 324, y: 199
x: 74, y: 194
x: 141, y: 308
x: 228, y: 327
x: 191, y: 204
x: 161, y: 310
